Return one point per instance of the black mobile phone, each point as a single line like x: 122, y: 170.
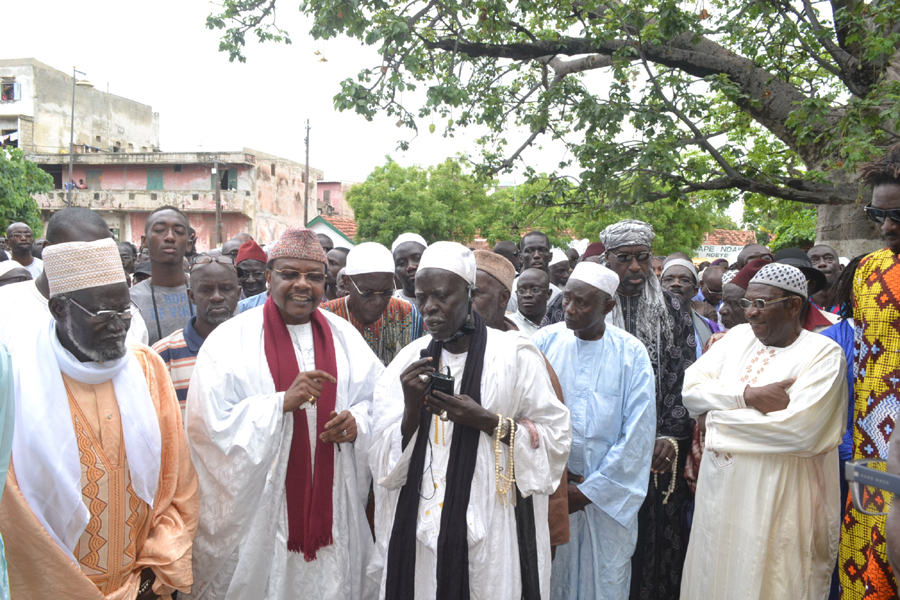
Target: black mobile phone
x: 442, y: 383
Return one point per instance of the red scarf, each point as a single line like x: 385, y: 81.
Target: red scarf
x: 308, y: 529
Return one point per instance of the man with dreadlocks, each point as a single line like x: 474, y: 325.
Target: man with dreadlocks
x: 864, y: 568
x: 658, y: 319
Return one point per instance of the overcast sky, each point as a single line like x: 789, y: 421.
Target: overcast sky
x: 160, y: 53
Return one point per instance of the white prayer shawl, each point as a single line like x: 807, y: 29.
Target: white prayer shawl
x: 767, y: 517
x: 515, y: 384
x: 45, y: 451
x: 240, y: 441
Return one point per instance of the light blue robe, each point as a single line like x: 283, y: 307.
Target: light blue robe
x: 7, y: 419
x: 608, y: 386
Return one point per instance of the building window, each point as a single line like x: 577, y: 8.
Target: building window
x: 273, y: 169
x: 98, y: 139
x: 326, y: 196
x: 155, y: 179
x: 228, y: 181
x: 93, y: 179
x: 178, y: 168
x: 10, y: 91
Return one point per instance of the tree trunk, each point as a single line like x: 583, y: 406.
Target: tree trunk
x: 846, y: 229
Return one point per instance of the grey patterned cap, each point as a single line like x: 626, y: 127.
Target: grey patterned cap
x: 629, y: 232
x: 727, y: 276
x: 782, y: 276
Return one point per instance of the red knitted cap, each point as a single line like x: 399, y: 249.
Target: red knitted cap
x: 251, y: 251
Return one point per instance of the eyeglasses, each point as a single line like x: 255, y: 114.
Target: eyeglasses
x: 871, y: 488
x: 206, y: 259
x: 104, y: 316
x: 369, y: 293
x: 878, y: 215
x: 534, y: 291
x: 314, y: 277
x: 685, y: 280
x: 641, y: 257
x: 251, y: 274
x: 761, y: 304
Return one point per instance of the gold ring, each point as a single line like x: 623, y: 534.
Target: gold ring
x: 312, y: 400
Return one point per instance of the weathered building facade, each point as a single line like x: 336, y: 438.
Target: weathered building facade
x: 120, y: 172
x: 332, y: 198
x: 260, y: 194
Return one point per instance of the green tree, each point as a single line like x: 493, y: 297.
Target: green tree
x: 782, y: 98
x: 438, y: 202
x: 19, y: 179
x: 780, y: 224
x: 445, y: 202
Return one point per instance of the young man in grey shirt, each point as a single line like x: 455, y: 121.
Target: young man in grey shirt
x: 163, y: 299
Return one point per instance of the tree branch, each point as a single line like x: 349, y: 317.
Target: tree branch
x: 766, y: 98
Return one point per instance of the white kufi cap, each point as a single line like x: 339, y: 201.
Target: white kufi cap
x: 557, y: 256
x: 782, y: 276
x: 81, y: 265
x: 449, y: 256
x: 408, y: 237
x: 596, y: 275
x: 370, y: 257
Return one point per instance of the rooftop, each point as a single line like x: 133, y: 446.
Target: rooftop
x: 729, y: 237
x: 342, y: 224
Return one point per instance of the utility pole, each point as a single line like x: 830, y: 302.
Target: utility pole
x: 218, y: 179
x: 71, y: 184
x: 306, y: 179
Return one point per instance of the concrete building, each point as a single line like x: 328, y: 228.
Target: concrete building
x: 260, y: 194
x: 121, y: 173
x: 331, y: 202
x: 36, y: 113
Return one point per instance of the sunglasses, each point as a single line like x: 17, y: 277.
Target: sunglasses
x: 878, y: 215
x: 641, y: 257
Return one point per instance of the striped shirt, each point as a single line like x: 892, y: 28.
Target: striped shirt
x: 179, y: 351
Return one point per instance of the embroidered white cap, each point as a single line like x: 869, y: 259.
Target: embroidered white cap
x: 77, y: 266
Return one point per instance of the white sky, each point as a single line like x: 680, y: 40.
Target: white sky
x: 161, y: 54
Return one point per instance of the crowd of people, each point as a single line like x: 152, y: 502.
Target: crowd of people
x: 429, y: 421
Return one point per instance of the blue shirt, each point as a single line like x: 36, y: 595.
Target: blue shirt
x: 610, y: 391
x: 843, y: 332
x: 253, y: 302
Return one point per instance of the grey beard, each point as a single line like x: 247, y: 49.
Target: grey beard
x: 217, y: 320
x: 99, y: 356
